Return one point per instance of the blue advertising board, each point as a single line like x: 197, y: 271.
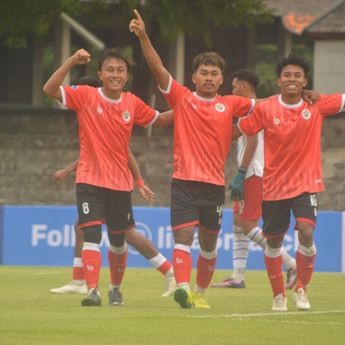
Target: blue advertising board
x: 44, y: 236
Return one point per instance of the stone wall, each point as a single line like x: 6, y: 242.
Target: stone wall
x: 35, y: 143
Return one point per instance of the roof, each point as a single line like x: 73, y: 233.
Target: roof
x: 331, y: 23
x: 298, y: 15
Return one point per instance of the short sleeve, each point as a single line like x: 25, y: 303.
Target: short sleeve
x: 331, y: 104
x: 73, y: 97
x: 253, y: 123
x: 242, y: 106
x: 144, y: 114
x: 174, y: 92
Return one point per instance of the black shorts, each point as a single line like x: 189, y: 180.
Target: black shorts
x: 276, y: 214
x: 97, y: 205
x: 194, y: 203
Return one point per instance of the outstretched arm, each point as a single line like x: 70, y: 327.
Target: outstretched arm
x: 52, y: 86
x: 144, y: 191
x: 159, y: 72
x: 165, y: 119
x: 60, y: 175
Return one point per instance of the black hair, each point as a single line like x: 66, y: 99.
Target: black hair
x: 295, y: 60
x: 116, y: 53
x: 208, y: 58
x: 247, y: 75
x: 89, y: 80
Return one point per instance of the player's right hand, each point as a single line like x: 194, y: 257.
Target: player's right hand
x: 137, y: 24
x: 81, y: 57
x: 59, y: 176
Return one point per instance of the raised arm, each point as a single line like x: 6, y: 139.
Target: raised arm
x: 153, y: 60
x: 143, y: 190
x: 52, y: 86
x: 60, y: 175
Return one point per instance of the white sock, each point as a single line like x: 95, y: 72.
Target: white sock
x: 199, y: 289
x: 157, y: 261
x: 239, y: 254
x: 288, y: 261
x: 185, y: 286
x: 256, y: 236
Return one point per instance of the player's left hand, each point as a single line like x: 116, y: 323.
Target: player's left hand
x: 311, y: 96
x: 236, y: 185
x: 137, y: 24
x: 146, y: 193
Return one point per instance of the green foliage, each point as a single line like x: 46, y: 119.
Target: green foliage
x: 266, y: 60
x: 21, y: 17
x: 266, y: 57
x: 169, y: 17
x: 198, y: 16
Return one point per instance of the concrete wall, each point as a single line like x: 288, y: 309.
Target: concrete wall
x: 35, y: 143
x: 329, y: 66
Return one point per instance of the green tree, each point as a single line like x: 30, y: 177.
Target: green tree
x: 170, y: 17
x: 198, y: 16
x: 21, y: 17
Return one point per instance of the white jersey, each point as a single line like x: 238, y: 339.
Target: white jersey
x: 256, y: 166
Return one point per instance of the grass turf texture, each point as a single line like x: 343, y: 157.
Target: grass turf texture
x: 30, y: 314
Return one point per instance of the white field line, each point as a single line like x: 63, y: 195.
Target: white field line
x: 322, y: 323
x: 255, y: 315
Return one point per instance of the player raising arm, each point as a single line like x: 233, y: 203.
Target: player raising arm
x: 202, y: 137
x: 106, y: 116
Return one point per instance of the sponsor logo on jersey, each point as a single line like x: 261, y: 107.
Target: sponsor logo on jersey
x: 276, y: 121
x: 99, y: 109
x: 306, y: 114
x: 219, y: 107
x: 75, y: 87
x: 126, y: 116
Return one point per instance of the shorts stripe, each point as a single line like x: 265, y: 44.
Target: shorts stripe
x: 91, y: 223
x: 185, y: 225
x: 306, y: 220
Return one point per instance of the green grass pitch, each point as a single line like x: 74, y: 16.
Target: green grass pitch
x: 31, y: 315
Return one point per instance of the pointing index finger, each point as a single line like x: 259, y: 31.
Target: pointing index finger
x: 137, y: 14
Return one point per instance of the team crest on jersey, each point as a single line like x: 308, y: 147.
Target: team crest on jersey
x: 126, y: 116
x: 276, y: 121
x: 220, y: 107
x: 306, y: 114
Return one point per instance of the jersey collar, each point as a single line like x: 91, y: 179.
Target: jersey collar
x: 111, y: 100
x: 290, y: 106
x: 204, y: 99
